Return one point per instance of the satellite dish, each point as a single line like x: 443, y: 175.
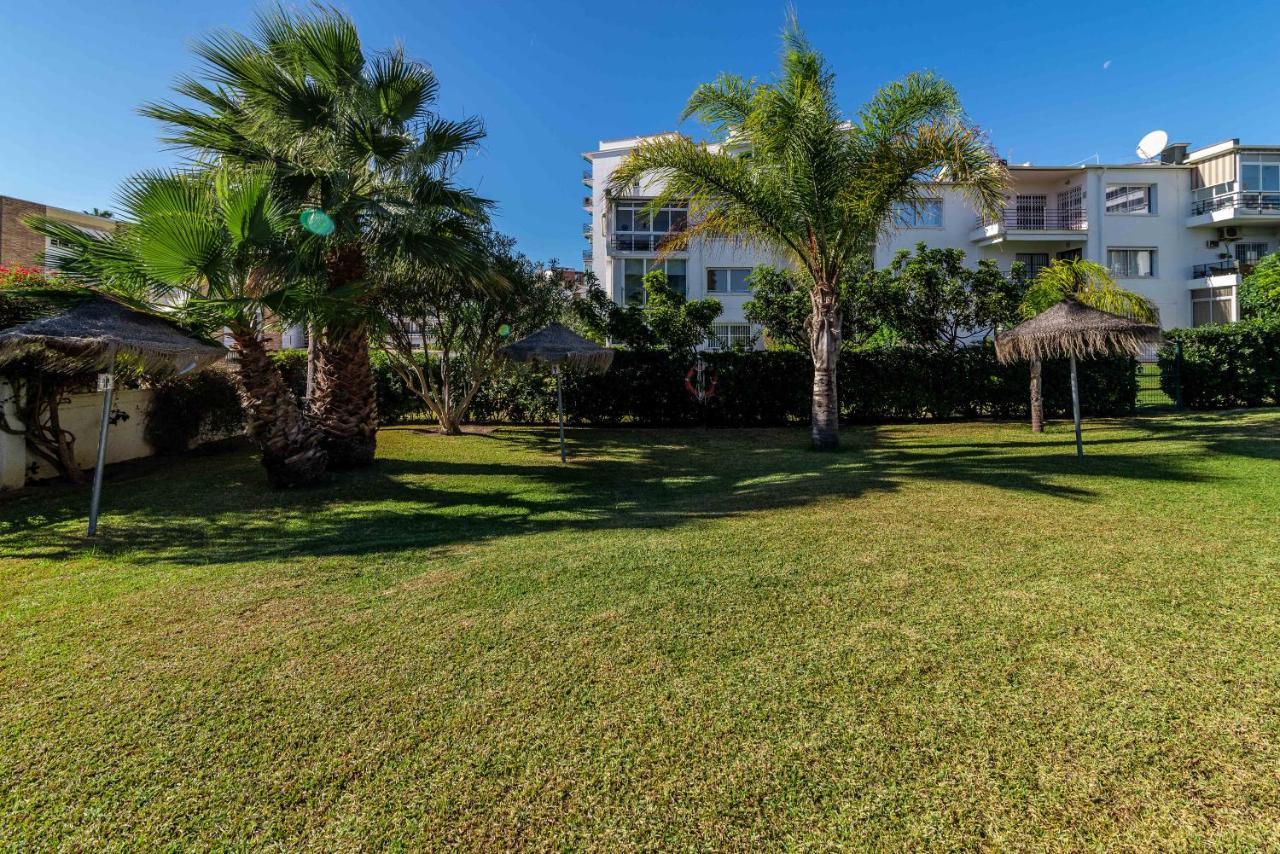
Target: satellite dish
x: 1152, y: 144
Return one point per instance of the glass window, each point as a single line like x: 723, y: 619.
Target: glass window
x: 1032, y: 262
x: 633, y: 281
x: 662, y: 220
x: 1249, y: 254
x: 923, y: 214
x: 726, y: 336
x: 1130, y: 199
x: 726, y: 280
x: 676, y: 276
x: 622, y: 218
x: 1212, y: 305
x: 1131, y: 263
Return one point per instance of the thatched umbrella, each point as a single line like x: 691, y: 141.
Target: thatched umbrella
x: 1076, y: 331
x: 89, y: 335
x: 558, y: 345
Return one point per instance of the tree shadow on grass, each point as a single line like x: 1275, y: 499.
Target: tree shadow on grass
x: 428, y: 495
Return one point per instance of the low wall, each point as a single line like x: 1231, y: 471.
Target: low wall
x: 82, y: 416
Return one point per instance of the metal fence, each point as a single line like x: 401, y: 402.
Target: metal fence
x: 1156, y: 390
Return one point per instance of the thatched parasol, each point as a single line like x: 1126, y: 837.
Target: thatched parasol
x: 88, y: 335
x: 1076, y: 331
x: 558, y: 345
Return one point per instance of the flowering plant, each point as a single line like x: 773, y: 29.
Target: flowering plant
x: 14, y: 276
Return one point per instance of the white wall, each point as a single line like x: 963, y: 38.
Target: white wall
x: 82, y: 416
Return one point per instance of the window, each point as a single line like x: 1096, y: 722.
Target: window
x: 1131, y: 199
x: 1032, y: 262
x: 1212, y: 305
x: 722, y: 280
x: 1071, y: 207
x: 1131, y: 263
x: 926, y: 213
x: 731, y: 336
x: 634, y: 270
x: 1248, y: 255
x: 1260, y: 172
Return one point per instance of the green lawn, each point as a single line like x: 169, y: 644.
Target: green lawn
x: 943, y: 636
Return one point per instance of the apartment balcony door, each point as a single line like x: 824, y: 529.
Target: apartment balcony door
x: 1071, y: 207
x: 1029, y: 211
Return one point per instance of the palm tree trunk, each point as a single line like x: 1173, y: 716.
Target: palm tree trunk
x: 345, y: 402
x: 824, y: 346
x: 290, y: 446
x: 1037, y: 398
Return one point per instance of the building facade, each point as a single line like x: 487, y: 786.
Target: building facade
x: 22, y: 247
x: 1182, y: 230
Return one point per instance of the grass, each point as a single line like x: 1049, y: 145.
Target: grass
x: 946, y: 636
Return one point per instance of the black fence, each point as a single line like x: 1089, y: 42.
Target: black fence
x: 1159, y: 388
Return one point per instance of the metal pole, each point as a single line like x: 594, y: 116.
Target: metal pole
x: 560, y: 406
x: 1075, y: 406
x: 1177, y: 374
x: 102, y: 446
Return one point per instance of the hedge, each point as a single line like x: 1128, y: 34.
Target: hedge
x: 1224, y: 366
x: 751, y: 389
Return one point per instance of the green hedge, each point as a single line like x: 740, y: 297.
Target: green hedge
x: 751, y: 389
x: 1231, y: 365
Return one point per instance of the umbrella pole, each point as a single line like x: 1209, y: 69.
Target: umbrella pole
x: 102, y: 447
x: 560, y: 407
x: 1075, y: 406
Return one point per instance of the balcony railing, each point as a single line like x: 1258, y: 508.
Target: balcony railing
x: 586, y: 202
x: 638, y: 242
x: 587, y: 177
x: 1221, y: 268
x: 586, y: 255
x: 1014, y: 219
x: 1260, y: 202
x: 586, y: 230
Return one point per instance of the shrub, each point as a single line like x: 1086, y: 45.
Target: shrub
x: 188, y: 410
x: 1224, y: 366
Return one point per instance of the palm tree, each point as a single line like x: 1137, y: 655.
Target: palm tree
x: 206, y: 245
x: 354, y: 138
x: 791, y: 174
x: 1091, y: 284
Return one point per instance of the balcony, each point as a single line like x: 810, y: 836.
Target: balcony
x: 587, y: 177
x: 586, y: 255
x: 1241, y: 207
x: 637, y: 242
x: 1025, y: 224
x: 1220, y: 274
x: 586, y: 230
x: 586, y: 203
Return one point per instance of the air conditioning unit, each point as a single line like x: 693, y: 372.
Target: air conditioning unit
x: 1211, y: 244
x: 1229, y: 232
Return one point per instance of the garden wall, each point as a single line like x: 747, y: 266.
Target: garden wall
x: 81, y: 415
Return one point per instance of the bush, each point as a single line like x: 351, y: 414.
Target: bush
x: 186, y: 411
x: 1225, y: 366
x: 766, y: 388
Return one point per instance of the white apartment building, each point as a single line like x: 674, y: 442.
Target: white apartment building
x: 1181, y: 230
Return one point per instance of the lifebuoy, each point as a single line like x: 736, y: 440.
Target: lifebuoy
x: 708, y: 392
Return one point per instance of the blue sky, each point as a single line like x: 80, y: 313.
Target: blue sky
x: 1051, y: 83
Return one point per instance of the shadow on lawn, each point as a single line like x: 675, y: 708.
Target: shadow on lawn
x: 217, y: 509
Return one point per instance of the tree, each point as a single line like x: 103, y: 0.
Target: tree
x: 679, y: 324
x: 356, y: 151
x: 780, y: 303
x: 793, y: 175
x: 1091, y: 284
x: 207, y: 245
x: 37, y: 389
x: 930, y: 298
x: 1260, y: 291
x: 444, y: 326
x: 666, y: 320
